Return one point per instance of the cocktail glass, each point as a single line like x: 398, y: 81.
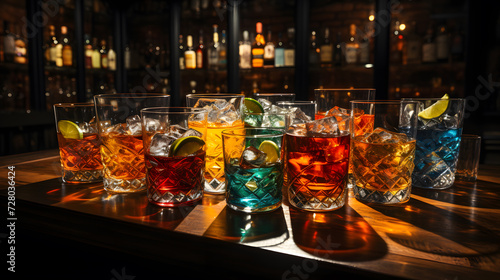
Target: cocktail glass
x: 224, y: 112
x: 120, y: 131
x: 78, y: 142
x: 174, y: 141
x: 438, y: 143
x: 253, y: 168
x: 270, y: 120
x: 274, y: 97
x: 382, y: 155
x: 327, y: 99
x: 317, y: 162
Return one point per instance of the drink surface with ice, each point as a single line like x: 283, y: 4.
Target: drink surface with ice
x: 382, y: 166
x: 317, y: 160
x: 222, y: 115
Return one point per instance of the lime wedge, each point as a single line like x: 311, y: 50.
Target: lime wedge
x: 69, y: 130
x: 253, y: 106
x: 436, y: 109
x: 271, y: 149
x: 186, y: 146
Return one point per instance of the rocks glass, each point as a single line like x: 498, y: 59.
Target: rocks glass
x: 120, y: 131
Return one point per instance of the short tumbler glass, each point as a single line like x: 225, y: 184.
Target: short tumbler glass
x: 383, y: 152
x: 329, y: 98
x: 254, y: 168
x: 120, y: 131
x: 174, y: 145
x: 78, y: 142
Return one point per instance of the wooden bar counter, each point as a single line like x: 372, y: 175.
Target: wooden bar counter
x: 79, y: 231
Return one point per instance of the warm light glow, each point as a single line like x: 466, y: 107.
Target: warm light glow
x: 371, y: 18
x: 402, y: 26
x: 417, y: 93
x: 368, y: 65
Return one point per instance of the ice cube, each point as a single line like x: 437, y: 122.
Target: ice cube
x: 266, y: 104
x: 252, y: 158
x: 87, y: 127
x: 204, y: 102
x: 134, y: 125
x: 177, y: 131
x: 197, y: 117
x: 450, y: 121
x: 152, y: 125
x: 221, y: 103
x: 117, y: 128
x: 406, y: 115
x: 160, y: 144
x: 297, y: 129
x: 381, y: 135
x: 298, y: 116
x: 324, y: 126
x: 191, y: 132
x: 337, y: 112
x: 228, y: 114
x: 279, y: 110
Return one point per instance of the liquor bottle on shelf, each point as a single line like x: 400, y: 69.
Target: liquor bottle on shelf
x: 364, y: 51
x: 111, y: 56
x: 279, y: 52
x: 67, y: 51
x: 213, y: 50
x: 396, y: 45
x: 442, y: 44
x: 326, y: 50
x: 338, y: 56
x: 314, y: 50
x: 290, y: 49
x: 413, y: 45
x: 59, y: 48
x: 269, y: 51
x: 50, y: 51
x: 429, y: 47
x: 96, y: 55
x: 104, y: 55
x: 20, y: 47
x: 222, y: 51
x: 200, y: 55
x: 126, y: 57
x: 245, y: 50
x: 9, y: 43
x: 189, y: 54
x: 352, y: 46
x: 182, y: 63
x: 88, y: 52
x: 258, y: 47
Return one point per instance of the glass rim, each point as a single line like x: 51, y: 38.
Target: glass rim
x: 191, y: 95
x: 274, y: 94
x: 378, y: 102
x: 129, y: 95
x: 430, y: 99
x: 297, y: 102
x: 345, y: 89
x: 177, y: 110
x: 74, y: 104
x: 471, y: 136
x: 264, y: 114
x: 230, y: 132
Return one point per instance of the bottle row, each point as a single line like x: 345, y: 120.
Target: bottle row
x: 13, y: 45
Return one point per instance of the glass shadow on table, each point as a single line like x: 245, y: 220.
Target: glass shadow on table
x: 461, y: 237
x: 258, y: 230
x: 342, y: 235
x: 481, y: 194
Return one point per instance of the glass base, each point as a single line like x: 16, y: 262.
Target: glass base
x: 381, y: 197
x: 215, y: 187
x: 174, y: 200
x: 255, y: 210
x: 442, y: 182
x: 124, y: 186
x: 308, y: 202
x: 82, y: 176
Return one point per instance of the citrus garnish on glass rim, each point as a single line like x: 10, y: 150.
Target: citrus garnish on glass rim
x: 271, y: 149
x: 69, y: 129
x: 436, y: 109
x: 186, y: 146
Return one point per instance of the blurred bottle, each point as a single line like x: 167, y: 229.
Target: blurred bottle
x: 96, y: 55
x: 88, y: 52
x: 21, y: 53
x: 59, y: 48
x: 413, y: 45
x: 126, y: 57
x: 290, y: 48
x: 189, y: 54
x: 50, y: 52
x: 279, y: 52
x: 222, y: 51
x: 429, y: 47
x: 314, y: 50
x: 338, y: 56
x: 104, y: 55
x: 326, y: 50
x: 182, y: 64
x: 200, y: 52
x: 245, y: 50
x: 364, y: 51
x: 457, y: 44
x: 67, y: 50
x: 352, y: 46
x: 258, y: 47
x: 213, y: 50
x: 269, y: 51
x: 442, y: 44
x: 396, y: 44
x: 9, y: 44
x: 111, y: 55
